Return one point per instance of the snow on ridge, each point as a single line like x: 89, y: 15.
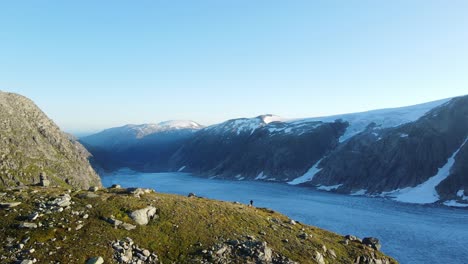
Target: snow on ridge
x: 272, y: 118
x: 384, y: 118
x: 453, y: 203
x: 425, y: 192
x: 328, y: 188
x: 308, y: 176
x: 359, y: 193
x: 461, y: 194
x: 261, y: 176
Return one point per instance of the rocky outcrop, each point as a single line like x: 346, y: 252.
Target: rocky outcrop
x: 250, y: 251
x: 31, y: 145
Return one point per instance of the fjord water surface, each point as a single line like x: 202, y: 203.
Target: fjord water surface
x: 409, y: 233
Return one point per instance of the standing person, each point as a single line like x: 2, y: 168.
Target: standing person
x: 251, y: 202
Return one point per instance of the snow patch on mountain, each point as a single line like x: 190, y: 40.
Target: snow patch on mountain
x: 308, y: 176
x: 426, y: 192
x: 383, y: 118
x: 453, y: 203
x: 272, y: 118
x: 359, y: 193
x: 329, y: 188
x: 261, y: 176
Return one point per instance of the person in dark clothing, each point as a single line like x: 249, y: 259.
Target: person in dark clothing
x: 251, y: 202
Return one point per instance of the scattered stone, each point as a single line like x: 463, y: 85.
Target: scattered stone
x: 303, y: 235
x: 332, y: 253
x: 319, y: 258
x: 250, y: 237
x: 62, y: 201
x: 89, y: 206
x: 33, y: 216
x: 9, y: 205
x: 143, y: 216
x: 86, y: 216
x: 113, y: 221
x: 93, y: 189
x: 116, y: 186
x: 372, y: 242
x: 26, y: 261
x: 43, y: 180
x: 27, y: 225
x: 250, y: 251
x: 137, y: 192
x: 191, y: 195
x: 353, y: 238
x: 292, y: 222
x: 125, y: 251
x: 78, y: 227
x: 128, y: 226
x: 324, y: 248
x: 95, y: 260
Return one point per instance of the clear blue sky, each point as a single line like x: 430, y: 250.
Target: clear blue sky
x: 95, y: 64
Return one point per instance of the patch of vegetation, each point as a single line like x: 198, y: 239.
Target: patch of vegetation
x: 184, y: 228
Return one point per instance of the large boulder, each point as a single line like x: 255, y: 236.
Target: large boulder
x: 372, y: 242
x: 143, y: 216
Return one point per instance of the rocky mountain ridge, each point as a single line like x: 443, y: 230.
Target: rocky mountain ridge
x: 31, y: 145
x: 378, y: 153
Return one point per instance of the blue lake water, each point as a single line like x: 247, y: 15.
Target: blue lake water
x: 410, y: 233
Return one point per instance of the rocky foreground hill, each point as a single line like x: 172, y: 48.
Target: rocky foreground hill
x: 31, y: 145
x: 115, y: 225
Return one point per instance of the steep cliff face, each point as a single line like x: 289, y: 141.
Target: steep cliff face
x: 31, y: 144
x: 273, y: 151
x: 146, y: 147
x: 386, y: 160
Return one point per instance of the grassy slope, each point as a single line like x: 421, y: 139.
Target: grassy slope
x: 182, y: 223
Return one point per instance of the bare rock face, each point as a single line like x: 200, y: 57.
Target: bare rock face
x: 31, y: 145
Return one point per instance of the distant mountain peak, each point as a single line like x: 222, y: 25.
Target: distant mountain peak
x: 269, y: 118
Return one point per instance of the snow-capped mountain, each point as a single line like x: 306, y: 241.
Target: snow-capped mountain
x: 383, y: 118
x: 381, y: 152
x: 140, y: 147
x: 129, y: 133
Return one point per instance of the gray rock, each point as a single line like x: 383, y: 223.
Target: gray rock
x: 62, y: 201
x: 95, y: 260
x: 33, y: 216
x: 26, y: 261
x: 9, y: 205
x: 319, y: 258
x: 93, y: 189
x: 128, y: 226
x: 27, y: 225
x: 372, y: 242
x: 143, y: 216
